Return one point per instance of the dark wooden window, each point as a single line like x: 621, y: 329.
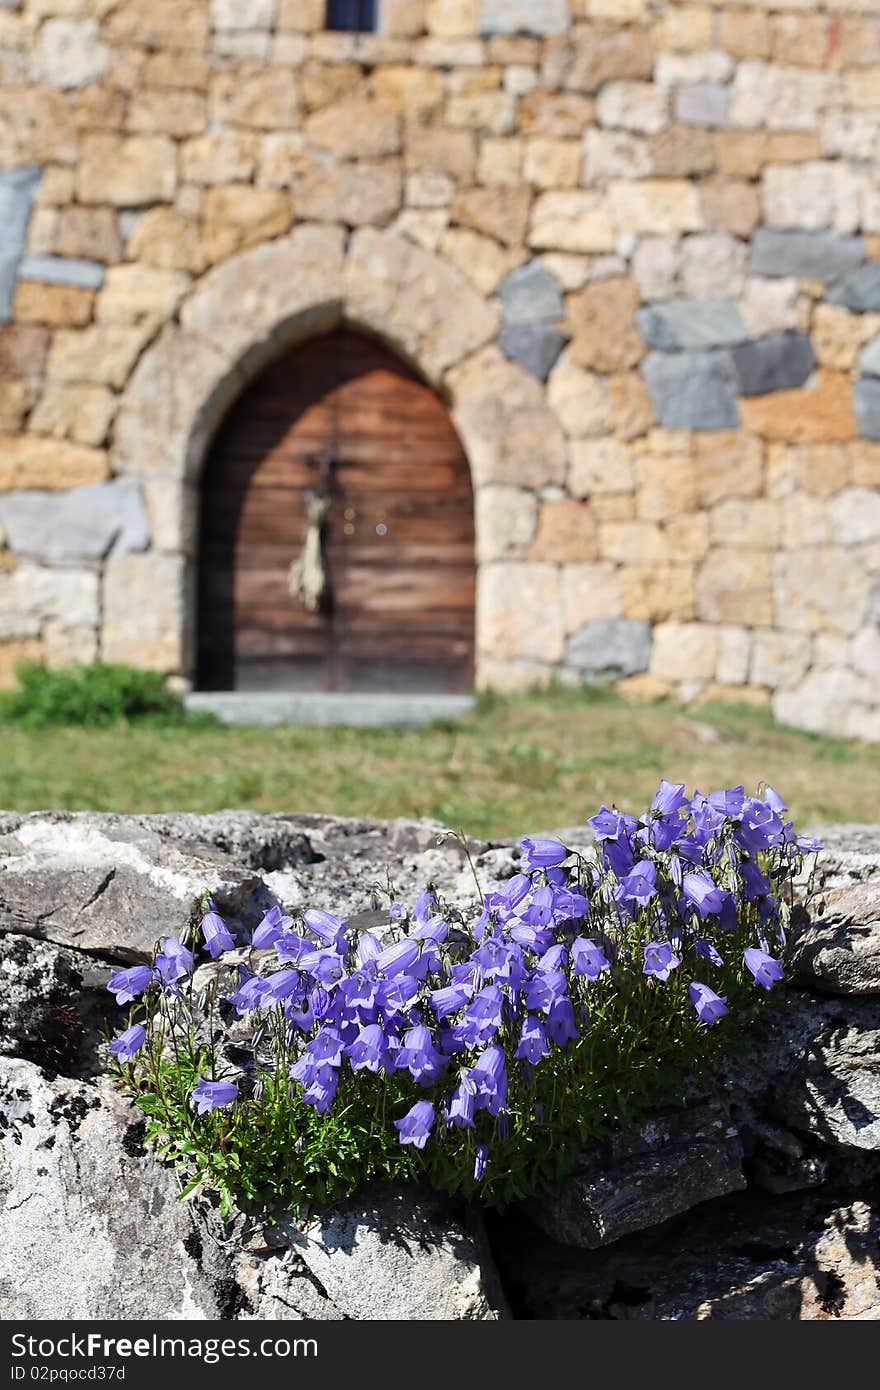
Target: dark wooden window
x: 356, y: 15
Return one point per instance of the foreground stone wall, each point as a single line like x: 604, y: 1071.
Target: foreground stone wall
x: 635, y: 245
x: 759, y: 1198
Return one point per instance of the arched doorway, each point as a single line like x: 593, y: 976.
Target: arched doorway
x: 337, y: 531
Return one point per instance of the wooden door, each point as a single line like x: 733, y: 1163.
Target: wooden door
x: 339, y: 418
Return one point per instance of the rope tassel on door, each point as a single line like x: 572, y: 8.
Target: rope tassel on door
x: 307, y: 576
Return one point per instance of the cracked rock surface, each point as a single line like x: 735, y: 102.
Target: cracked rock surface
x: 759, y: 1199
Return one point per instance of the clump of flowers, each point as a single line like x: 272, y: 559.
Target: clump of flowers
x: 478, y: 1054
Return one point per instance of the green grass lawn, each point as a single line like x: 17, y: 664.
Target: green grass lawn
x: 513, y: 766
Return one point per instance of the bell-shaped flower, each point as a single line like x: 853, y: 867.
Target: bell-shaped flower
x: 129, y: 1043
x: 766, y: 970
x: 212, y: 1095
x: 460, y: 1110
x: 369, y: 1050
x: 449, y: 999
x: 533, y: 1045
x: 397, y: 959
x: 542, y: 854
x: 588, y: 959
x: 269, y: 931
x: 561, y: 1026
x: 173, y: 962
x: 283, y: 984
x: 415, y: 1127
x: 708, y: 952
x: 420, y: 1057
x: 702, y: 892
x: 129, y: 983
x: 660, y: 960
x: 253, y: 993
x: 480, y: 1162
x: 217, y: 936
x: 710, y: 1006
x: 489, y: 1075
x: 639, y: 886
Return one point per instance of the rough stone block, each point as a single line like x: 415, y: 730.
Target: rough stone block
x: 691, y: 323
x: 523, y: 16
x: 535, y: 346
x: 62, y: 270
x: 703, y: 104
x: 775, y: 363
x: 859, y: 290
x: 818, y: 413
x: 603, y: 319
x: 866, y: 398
x: 531, y: 294
x: 804, y: 255
x: 610, y: 649
x: 692, y: 390
x: 17, y: 190
x: 82, y: 524
x: 869, y: 359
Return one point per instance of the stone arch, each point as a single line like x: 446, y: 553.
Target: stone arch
x: 260, y: 303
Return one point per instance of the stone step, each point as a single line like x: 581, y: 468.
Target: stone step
x: 363, y: 711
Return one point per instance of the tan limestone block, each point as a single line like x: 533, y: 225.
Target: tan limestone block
x: 730, y: 205
x: 820, y: 588
x: 150, y: 22
x: 658, y: 593
x: 510, y: 433
x: 741, y: 154
x: 644, y: 689
x: 82, y: 414
x: 491, y: 112
x: 514, y: 677
x: 407, y: 89
x: 571, y: 221
x: 57, y: 306
x: 102, y: 353
x: 631, y: 409
x: 89, y: 232
x: 613, y: 506
x: 481, y: 259
x: 127, y: 171
x: 652, y: 206
x: 465, y: 82
x: 429, y: 189
x: 32, y: 461
x: 579, y: 399
x: 23, y: 349
x: 165, y: 238
x: 605, y: 336
x: 825, y: 469
x: 501, y: 161
x: 552, y: 163
x: 519, y: 612
x: 590, y: 592
x: 356, y: 129
x: 42, y: 231
x: 221, y: 157
x: 685, y: 29
x: 729, y: 464
x: 140, y: 295
x: 56, y: 186
x: 452, y: 19
x: 167, y: 112
x: 631, y: 541
x: 366, y: 193
x: 255, y: 97
x: 405, y: 18
x: 744, y: 33
x: 736, y: 586
x: 304, y: 16
x: 554, y: 115
x: 682, y: 151
x: 800, y: 40
x: 821, y: 413
x: 499, y: 212
x: 684, y: 651
x: 144, y: 611
x: 68, y: 646
x: 665, y: 487
x: 453, y: 152
x: 865, y: 463
x: 806, y: 520
x: 505, y: 521
x: 839, y: 336
x: 322, y: 84
x: 755, y: 698
x: 176, y: 69
x: 16, y: 399
x: 279, y: 156
x: 607, y: 52
x: 237, y: 216
x: 756, y: 522
x: 687, y: 536
x: 425, y: 226
x: 792, y: 146
x: 734, y: 655
x: 566, y: 532
x: 13, y: 652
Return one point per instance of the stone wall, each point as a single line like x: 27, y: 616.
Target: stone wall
x: 636, y: 245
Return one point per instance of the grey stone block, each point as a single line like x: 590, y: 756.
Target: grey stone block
x: 674, y: 324
x: 778, y: 362
x: 17, y: 189
x: 692, y: 390
x: 523, y: 16
x: 531, y: 294
x: 859, y: 290
x: 62, y: 270
x: 869, y: 361
x: 866, y: 398
x: 804, y: 255
x: 703, y: 104
x: 82, y: 524
x: 609, y: 649
x: 535, y: 346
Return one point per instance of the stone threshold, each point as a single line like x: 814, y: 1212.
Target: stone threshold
x: 363, y: 711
